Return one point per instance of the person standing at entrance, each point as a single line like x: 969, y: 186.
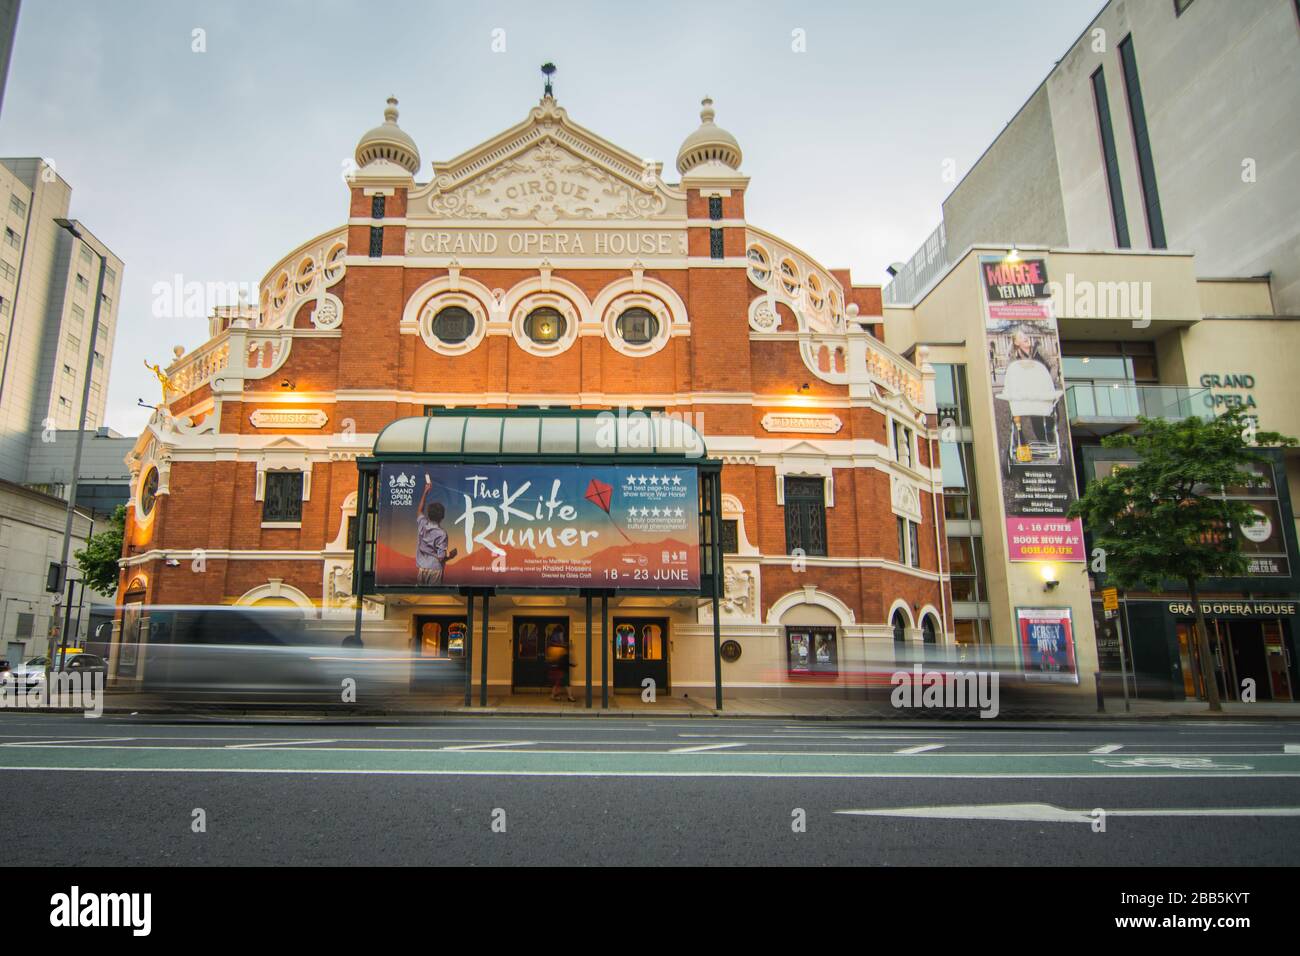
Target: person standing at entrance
x: 431, y: 540
x: 558, y: 662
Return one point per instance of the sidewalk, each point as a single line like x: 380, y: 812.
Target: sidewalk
x: 793, y: 708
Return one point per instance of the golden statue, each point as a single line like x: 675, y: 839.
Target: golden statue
x: 162, y: 378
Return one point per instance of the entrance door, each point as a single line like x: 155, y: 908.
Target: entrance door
x: 438, y: 658
x: 640, y: 651
x: 1275, y: 652
x: 811, y: 652
x: 539, y: 643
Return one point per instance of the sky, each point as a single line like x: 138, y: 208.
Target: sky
x: 214, y: 163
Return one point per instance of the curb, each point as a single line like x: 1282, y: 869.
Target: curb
x: 364, y: 716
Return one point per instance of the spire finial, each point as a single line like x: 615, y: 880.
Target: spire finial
x: 548, y: 70
x: 390, y: 111
x: 706, y: 110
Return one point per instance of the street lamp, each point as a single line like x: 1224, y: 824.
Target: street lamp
x: 74, y: 229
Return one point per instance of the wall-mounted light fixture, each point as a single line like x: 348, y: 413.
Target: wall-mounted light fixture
x: 1050, y: 580
x: 285, y: 383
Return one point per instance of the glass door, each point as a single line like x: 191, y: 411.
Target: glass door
x: 1279, y: 669
x: 438, y: 654
x: 640, y: 652
x: 540, y: 643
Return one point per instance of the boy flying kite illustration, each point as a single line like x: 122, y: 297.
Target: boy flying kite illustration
x: 431, y: 552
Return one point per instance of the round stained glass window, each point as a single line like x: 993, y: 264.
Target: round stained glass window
x: 637, y: 326
x: 453, y: 325
x: 545, y: 325
x: 149, y: 492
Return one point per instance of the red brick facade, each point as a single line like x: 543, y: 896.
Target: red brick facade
x: 729, y: 365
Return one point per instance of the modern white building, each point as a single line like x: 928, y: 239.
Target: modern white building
x: 31, y: 539
x: 1169, y: 124
x: 48, y: 280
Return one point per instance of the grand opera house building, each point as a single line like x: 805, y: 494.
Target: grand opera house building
x: 518, y: 289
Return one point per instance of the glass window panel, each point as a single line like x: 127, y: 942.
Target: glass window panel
x: 445, y: 434
x: 483, y: 435
x: 952, y: 467
x: 960, y: 559
x: 596, y: 436
x: 520, y: 436
x: 404, y: 436
x: 559, y: 436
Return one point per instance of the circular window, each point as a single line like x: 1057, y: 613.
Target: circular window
x: 453, y: 325
x: 637, y: 326
x: 306, y: 275
x: 545, y: 325
x: 816, y: 298
x: 790, y: 276
x: 281, y: 294
x: 149, y: 492
x: 759, y: 268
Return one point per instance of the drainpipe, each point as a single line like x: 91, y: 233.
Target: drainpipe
x: 930, y: 407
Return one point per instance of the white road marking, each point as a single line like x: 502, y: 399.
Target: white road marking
x: 505, y: 743
x: 819, y: 735
x: 44, y: 741
x: 702, y: 747
x: 277, y: 744
x: 1096, y: 775
x: 1177, y: 763
x: 1291, y: 748
x: 1047, y: 813
x: 1107, y: 749
x: 924, y: 748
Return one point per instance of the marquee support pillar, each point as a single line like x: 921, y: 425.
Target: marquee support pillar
x: 717, y: 653
x: 483, y: 655
x: 469, y: 648
x: 589, y: 661
x: 604, y: 652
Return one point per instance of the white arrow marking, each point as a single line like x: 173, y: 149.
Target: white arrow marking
x: 1047, y: 813
x: 703, y: 747
x: 924, y: 748
x: 507, y: 743
x: 1107, y: 749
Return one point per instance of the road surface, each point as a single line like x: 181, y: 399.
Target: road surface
x: 526, y: 791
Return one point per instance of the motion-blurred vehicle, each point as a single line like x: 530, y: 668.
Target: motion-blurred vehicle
x: 260, y: 655
x: 31, y: 673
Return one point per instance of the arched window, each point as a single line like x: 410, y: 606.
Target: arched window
x: 899, y: 623
x: 929, y: 636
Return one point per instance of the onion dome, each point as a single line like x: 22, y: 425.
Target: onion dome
x: 708, y: 144
x: 388, y: 143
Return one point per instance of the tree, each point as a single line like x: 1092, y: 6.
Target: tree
x: 98, y: 562
x: 1165, y: 518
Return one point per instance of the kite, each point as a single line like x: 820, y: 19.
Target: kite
x: 601, y: 494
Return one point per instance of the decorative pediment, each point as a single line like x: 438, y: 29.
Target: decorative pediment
x: 547, y: 170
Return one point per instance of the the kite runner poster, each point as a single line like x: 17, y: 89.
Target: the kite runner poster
x: 538, y: 526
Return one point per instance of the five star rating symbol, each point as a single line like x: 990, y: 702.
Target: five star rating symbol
x: 654, y: 480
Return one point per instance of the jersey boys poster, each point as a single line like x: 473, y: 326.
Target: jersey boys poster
x: 1047, y: 644
x: 538, y: 526
x: 1029, y: 413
